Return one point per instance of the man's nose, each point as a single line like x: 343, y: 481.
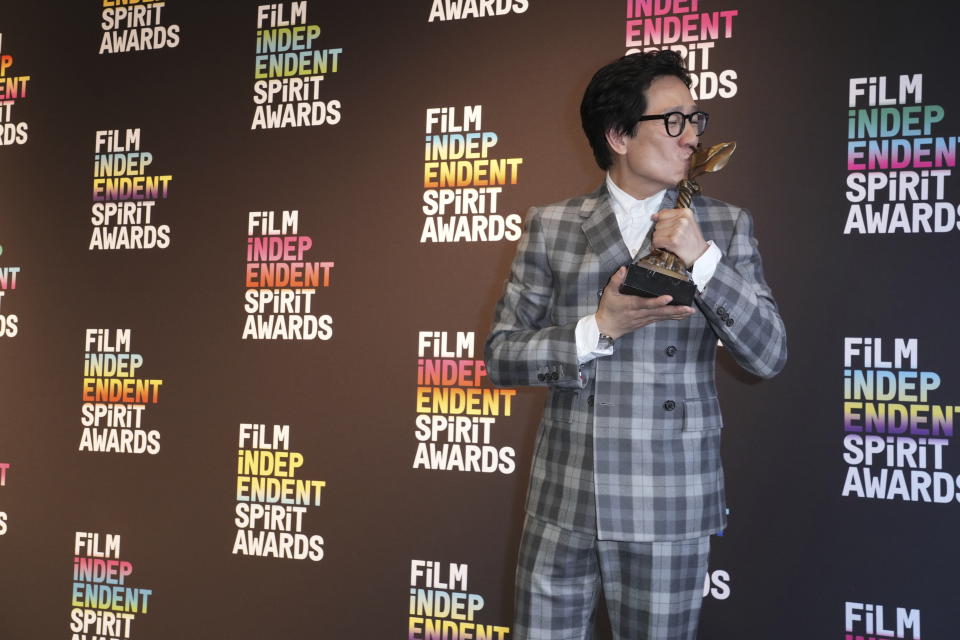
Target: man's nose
x: 689, y: 135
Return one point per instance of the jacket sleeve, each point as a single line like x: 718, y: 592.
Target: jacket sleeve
x: 524, y: 346
x: 740, y: 307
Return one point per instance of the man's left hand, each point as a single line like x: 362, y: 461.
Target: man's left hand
x: 677, y: 231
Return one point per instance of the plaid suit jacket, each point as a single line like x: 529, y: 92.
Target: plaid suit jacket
x: 629, y: 444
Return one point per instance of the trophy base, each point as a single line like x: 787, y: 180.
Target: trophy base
x: 649, y: 283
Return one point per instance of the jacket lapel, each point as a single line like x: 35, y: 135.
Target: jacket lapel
x: 602, y: 231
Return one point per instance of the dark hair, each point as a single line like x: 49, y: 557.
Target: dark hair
x: 615, y: 99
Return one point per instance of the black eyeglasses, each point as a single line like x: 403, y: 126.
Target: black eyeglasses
x: 675, y: 121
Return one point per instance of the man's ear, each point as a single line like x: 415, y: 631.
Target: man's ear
x: 617, y: 142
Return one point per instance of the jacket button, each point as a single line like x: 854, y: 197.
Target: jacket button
x: 590, y: 401
x: 721, y: 311
x: 541, y: 377
x: 669, y: 405
x: 555, y: 376
x: 671, y: 350
x: 729, y: 322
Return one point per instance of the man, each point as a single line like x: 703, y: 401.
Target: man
x: 626, y: 485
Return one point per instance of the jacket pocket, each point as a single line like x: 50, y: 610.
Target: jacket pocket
x: 700, y: 414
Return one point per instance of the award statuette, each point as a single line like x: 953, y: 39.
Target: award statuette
x: 661, y: 273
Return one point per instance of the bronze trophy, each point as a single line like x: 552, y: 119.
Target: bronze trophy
x: 661, y: 273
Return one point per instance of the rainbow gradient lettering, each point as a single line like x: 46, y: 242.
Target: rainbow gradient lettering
x: 101, y: 601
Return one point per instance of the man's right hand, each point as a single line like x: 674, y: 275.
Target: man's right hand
x: 619, y: 314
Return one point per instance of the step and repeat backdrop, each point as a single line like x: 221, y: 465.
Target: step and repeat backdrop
x: 249, y: 254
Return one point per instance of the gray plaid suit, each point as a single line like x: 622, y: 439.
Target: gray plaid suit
x: 629, y: 445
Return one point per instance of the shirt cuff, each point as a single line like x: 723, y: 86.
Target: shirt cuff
x: 703, y: 268
x: 588, y: 340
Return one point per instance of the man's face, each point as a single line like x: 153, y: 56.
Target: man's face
x: 650, y: 159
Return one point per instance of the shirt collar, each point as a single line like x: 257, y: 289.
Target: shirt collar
x: 627, y: 204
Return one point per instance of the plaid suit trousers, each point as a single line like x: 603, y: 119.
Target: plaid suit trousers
x: 653, y: 590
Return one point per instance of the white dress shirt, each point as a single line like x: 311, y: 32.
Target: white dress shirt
x: 633, y: 218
